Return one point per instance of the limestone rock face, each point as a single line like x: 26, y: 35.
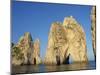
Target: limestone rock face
x: 93, y: 29
x: 76, y: 40
x: 23, y: 51
x: 17, y: 56
x: 25, y: 44
x: 36, y: 52
x: 66, y: 40
x: 56, y: 42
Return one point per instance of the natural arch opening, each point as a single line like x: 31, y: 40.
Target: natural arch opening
x: 34, y: 60
x: 70, y: 59
x: 66, y: 61
x: 58, y: 60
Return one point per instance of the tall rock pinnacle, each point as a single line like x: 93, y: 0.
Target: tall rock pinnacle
x: 93, y: 29
x: 66, y: 40
x: 36, y: 52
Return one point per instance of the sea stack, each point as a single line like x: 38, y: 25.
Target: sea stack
x: 93, y: 29
x: 66, y: 40
x: 25, y: 49
x: 36, y: 52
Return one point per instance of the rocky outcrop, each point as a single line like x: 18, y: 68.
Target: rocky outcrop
x: 36, y: 52
x: 23, y: 51
x: 93, y: 29
x: 17, y: 56
x: 76, y: 40
x: 66, y: 40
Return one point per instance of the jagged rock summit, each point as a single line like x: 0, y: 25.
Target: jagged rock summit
x: 23, y: 51
x: 66, y: 40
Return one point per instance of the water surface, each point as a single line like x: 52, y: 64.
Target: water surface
x: 52, y: 68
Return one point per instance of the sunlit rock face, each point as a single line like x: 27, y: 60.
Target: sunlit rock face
x: 36, y: 52
x: 76, y: 40
x: 56, y: 42
x: 66, y: 40
x: 93, y: 29
x: 23, y: 51
x: 17, y: 56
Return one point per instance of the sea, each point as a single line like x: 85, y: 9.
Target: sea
x: 28, y: 69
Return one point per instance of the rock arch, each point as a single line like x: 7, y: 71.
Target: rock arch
x: 69, y: 39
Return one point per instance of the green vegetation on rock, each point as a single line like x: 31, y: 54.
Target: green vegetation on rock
x: 17, y: 53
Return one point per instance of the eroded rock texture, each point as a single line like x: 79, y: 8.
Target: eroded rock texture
x: 36, y: 52
x: 66, y: 40
x: 23, y: 51
x: 93, y: 29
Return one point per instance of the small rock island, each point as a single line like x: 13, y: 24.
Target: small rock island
x: 26, y: 51
x: 66, y: 40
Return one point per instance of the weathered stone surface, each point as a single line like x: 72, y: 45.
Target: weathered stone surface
x: 23, y: 51
x: 66, y: 40
x: 93, y: 29
x: 76, y: 40
x: 36, y: 52
x: 17, y: 56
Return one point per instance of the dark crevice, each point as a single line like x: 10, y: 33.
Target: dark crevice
x: 66, y: 61
x: 58, y: 60
x: 35, y: 61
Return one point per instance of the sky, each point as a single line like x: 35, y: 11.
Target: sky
x: 37, y: 18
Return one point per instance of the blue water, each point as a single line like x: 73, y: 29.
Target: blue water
x: 53, y: 68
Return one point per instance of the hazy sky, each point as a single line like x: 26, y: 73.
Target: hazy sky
x: 37, y: 18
